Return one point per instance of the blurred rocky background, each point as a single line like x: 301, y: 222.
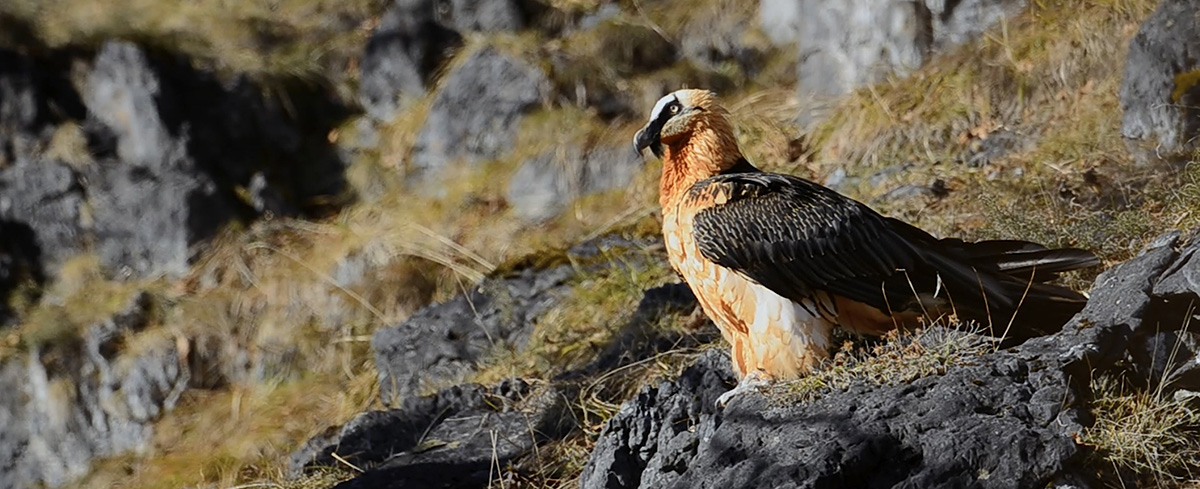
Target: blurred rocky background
x: 368, y: 244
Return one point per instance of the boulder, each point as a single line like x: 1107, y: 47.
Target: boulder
x: 444, y: 341
x: 1161, y: 87
x: 475, y: 115
x: 37, y: 193
x: 78, y: 400
x: 543, y: 186
x: 990, y: 424
x: 402, y: 55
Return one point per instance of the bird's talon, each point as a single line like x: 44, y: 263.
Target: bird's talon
x: 755, y: 381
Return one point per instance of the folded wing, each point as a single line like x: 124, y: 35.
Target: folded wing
x: 796, y: 237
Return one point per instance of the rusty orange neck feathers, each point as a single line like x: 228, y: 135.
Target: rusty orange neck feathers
x: 707, y: 149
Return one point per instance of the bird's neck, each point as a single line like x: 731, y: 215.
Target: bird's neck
x: 704, y: 155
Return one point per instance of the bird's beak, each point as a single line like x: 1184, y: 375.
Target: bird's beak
x: 647, y: 137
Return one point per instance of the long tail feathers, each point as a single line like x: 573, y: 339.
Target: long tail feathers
x: 1010, y: 275
x: 1039, y: 265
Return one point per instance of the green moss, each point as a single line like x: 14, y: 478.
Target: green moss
x: 1183, y: 83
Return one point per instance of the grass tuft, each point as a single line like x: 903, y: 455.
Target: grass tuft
x: 1147, y: 433
x: 897, y: 358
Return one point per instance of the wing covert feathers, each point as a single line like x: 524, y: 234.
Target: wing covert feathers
x: 796, y: 237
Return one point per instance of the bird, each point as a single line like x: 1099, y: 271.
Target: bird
x: 777, y: 261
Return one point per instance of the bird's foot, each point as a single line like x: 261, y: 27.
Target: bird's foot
x: 753, y: 381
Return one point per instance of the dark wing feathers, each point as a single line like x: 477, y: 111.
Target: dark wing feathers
x: 794, y: 236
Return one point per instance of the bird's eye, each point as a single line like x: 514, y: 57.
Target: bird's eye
x: 674, y: 108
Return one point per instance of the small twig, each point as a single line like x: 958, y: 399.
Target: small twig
x: 346, y: 462
x: 256, y: 484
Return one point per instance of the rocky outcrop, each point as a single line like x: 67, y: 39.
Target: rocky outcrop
x: 414, y: 39
x: 542, y: 187
x: 47, y: 194
x: 455, y: 438
x: 475, y: 114
x: 1161, y: 88
x: 401, y: 55
x: 444, y: 341
x: 74, y: 400
x: 1005, y: 419
x: 999, y: 423
x: 152, y: 201
x: 844, y: 45
x: 155, y: 151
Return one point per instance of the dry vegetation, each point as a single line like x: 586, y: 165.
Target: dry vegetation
x: 897, y: 358
x: 265, y: 38
x: 1147, y: 432
x: 1050, y: 78
x: 304, y: 297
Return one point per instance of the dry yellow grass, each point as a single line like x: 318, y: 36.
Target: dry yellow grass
x: 267, y: 38
x: 899, y: 358
x: 241, y: 435
x: 1050, y: 75
x: 1149, y: 434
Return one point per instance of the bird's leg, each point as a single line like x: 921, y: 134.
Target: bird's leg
x: 753, y: 381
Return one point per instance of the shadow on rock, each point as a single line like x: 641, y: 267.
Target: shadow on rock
x: 20, y: 260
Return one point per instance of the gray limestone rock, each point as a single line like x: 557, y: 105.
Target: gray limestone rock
x: 846, y: 44
x: 152, y: 202
x: 475, y: 114
x: 45, y: 195
x: 453, y: 438
x: 401, y: 56
x: 75, y: 401
x: 444, y: 341
x: 543, y: 186
x: 1158, y: 97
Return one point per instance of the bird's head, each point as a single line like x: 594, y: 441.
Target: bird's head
x: 681, y: 117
